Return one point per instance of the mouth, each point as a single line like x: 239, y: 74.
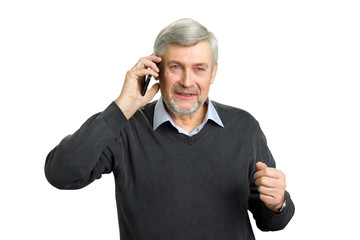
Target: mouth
x: 185, y: 94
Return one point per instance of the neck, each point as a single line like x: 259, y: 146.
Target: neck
x: 189, y: 122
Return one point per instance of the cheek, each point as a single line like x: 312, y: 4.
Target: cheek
x: 172, y: 76
x: 167, y: 80
x: 165, y: 86
x: 205, y: 87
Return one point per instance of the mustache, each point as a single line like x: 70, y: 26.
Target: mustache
x: 180, y: 88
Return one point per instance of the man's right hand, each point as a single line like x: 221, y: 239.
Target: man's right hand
x: 130, y: 99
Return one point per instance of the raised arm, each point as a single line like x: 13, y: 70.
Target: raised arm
x: 84, y: 156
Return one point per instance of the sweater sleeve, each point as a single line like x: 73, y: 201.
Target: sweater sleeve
x: 267, y: 220
x: 84, y: 156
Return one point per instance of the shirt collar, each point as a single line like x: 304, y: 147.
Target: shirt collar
x: 161, y: 115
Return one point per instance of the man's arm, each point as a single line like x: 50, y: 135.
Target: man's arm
x: 82, y: 157
x: 266, y: 220
x: 267, y: 191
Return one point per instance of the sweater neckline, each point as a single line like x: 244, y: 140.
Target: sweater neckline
x: 169, y: 132
x: 168, y: 129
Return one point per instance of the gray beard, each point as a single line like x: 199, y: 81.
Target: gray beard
x: 175, y: 109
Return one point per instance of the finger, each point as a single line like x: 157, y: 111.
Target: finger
x: 272, y: 198
x: 268, y: 200
x: 143, y: 72
x: 266, y: 191
x: 267, y: 182
x: 272, y: 192
x: 268, y: 172
x: 152, y: 91
x: 155, y: 58
x: 154, y: 61
x: 260, y: 166
x: 147, y: 62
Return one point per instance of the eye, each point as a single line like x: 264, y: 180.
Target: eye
x: 199, y: 69
x: 175, y: 66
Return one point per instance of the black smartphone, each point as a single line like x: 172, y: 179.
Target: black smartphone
x: 147, y: 81
x: 146, y: 84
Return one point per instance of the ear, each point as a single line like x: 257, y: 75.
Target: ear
x: 213, y: 73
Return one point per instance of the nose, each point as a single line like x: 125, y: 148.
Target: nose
x: 186, y: 79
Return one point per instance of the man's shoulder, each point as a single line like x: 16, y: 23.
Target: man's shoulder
x: 147, y: 111
x: 235, y: 117
x: 226, y: 111
x: 149, y: 106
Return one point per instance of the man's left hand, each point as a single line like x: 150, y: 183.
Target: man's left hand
x: 271, y: 186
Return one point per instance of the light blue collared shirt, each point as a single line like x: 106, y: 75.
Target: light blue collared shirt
x: 161, y: 116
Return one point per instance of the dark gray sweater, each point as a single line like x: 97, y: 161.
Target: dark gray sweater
x: 170, y: 186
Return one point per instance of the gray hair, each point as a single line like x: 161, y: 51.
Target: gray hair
x: 185, y: 32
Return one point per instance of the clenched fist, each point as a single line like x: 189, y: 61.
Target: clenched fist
x: 271, y: 186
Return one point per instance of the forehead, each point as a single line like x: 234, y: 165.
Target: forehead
x: 198, y: 53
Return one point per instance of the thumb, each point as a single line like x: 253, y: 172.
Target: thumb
x: 152, y: 91
x: 260, y: 166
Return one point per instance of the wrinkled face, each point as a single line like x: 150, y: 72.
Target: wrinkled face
x: 185, y: 77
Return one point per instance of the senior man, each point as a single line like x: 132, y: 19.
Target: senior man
x: 185, y: 167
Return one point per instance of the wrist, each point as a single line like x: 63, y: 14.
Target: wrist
x: 127, y: 108
x: 278, y: 208
x: 282, y: 206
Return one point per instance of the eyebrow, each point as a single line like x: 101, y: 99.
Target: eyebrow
x: 205, y: 65
x: 173, y: 62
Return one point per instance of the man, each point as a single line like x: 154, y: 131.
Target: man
x: 185, y: 167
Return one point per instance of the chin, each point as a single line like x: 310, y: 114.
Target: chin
x: 182, y: 110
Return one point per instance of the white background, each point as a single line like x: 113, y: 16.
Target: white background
x: 293, y: 64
